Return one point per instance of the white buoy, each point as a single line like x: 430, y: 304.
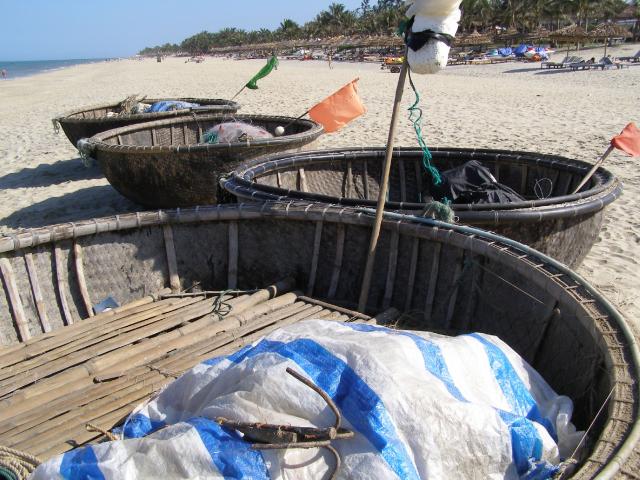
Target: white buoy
x: 279, y: 131
x: 441, y: 16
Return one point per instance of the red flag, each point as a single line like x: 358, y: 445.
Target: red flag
x: 335, y: 111
x: 628, y: 141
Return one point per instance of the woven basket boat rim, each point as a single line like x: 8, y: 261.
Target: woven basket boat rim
x: 608, y: 182
x: 535, y: 262
x: 315, y: 130
x: 220, y: 104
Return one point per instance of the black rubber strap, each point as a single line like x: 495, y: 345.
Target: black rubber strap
x: 416, y: 40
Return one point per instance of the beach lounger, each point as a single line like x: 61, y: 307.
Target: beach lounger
x: 633, y: 59
x: 584, y: 65
x: 564, y: 63
x: 611, y: 64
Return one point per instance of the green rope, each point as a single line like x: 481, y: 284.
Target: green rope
x: 439, y: 211
x: 415, y: 117
x: 220, y: 306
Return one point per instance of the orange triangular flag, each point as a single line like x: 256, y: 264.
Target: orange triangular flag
x: 335, y: 111
x: 628, y: 141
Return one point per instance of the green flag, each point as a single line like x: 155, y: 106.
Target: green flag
x: 266, y: 70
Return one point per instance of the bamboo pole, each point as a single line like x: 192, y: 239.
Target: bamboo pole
x: 60, y: 283
x: 413, y: 267
x: 391, y: 269
x: 14, y: 299
x: 82, y: 283
x: 337, y: 260
x: 172, y: 263
x: 329, y: 306
x: 382, y: 195
x: 37, y: 292
x: 315, y: 257
x: 595, y: 167
x: 232, y: 276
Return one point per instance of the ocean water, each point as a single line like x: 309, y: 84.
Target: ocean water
x: 23, y: 69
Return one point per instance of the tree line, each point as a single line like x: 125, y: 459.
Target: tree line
x: 383, y: 17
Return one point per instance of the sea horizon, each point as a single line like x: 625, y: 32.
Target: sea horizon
x: 25, y: 68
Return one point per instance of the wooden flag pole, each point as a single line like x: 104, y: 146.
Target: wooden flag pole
x: 241, y: 90
x: 597, y: 165
x: 382, y: 196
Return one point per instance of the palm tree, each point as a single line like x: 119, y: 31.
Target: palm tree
x: 288, y: 30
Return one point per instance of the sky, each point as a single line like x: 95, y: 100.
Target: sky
x: 73, y: 29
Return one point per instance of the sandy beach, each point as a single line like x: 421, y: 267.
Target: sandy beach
x: 511, y: 106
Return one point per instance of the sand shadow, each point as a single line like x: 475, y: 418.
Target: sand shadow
x: 523, y: 70
x: 81, y: 205
x: 47, y: 174
x: 554, y: 71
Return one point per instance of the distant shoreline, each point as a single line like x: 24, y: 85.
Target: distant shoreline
x: 22, y: 69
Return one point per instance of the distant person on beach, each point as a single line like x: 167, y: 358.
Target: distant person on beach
x: 330, y: 58
x: 3, y: 73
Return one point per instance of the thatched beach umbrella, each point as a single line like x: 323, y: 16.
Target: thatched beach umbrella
x: 569, y: 35
x: 610, y: 30
x: 538, y: 34
x: 508, y: 35
x: 473, y: 39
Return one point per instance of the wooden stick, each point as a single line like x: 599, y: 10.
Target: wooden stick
x: 303, y: 180
x: 365, y: 179
x: 329, y: 306
x: 314, y: 259
x: 413, y: 268
x: 454, y: 295
x: 433, y: 282
x: 232, y: 280
x: 384, y: 318
x: 84, y: 291
x: 403, y: 180
x: 14, y: 299
x: 349, y: 179
x: 337, y: 261
x: 37, y: 292
x: 382, y: 195
x: 595, y: 167
x: 57, y: 253
x: 239, y: 92
x: 172, y: 263
x: 391, y: 270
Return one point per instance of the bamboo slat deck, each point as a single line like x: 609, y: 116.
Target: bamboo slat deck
x: 97, y: 371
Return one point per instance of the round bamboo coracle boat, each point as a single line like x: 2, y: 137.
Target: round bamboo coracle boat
x: 551, y: 219
x: 88, y: 121
x: 448, y: 278
x: 165, y: 164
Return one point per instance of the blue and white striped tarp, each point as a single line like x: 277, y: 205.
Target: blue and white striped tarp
x: 421, y: 405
